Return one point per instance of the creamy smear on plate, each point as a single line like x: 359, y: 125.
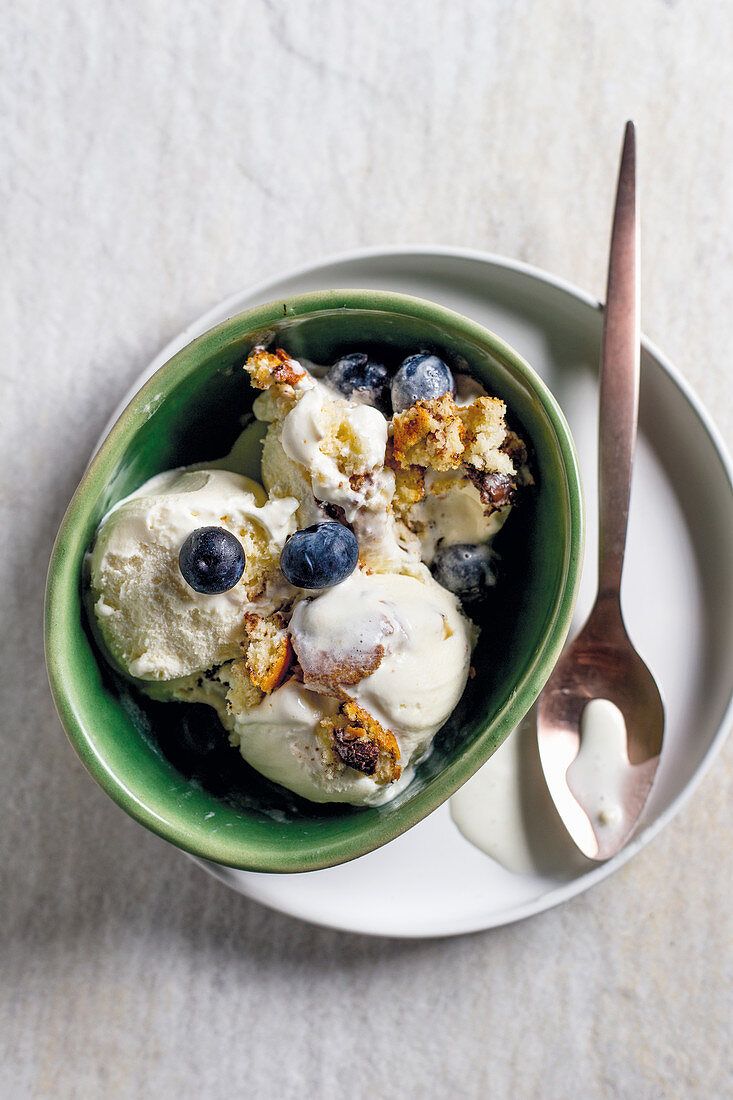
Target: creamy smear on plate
x: 506, y: 810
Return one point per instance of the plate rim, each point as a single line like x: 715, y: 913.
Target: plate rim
x: 584, y: 882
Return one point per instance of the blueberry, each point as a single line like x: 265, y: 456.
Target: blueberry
x: 320, y: 556
x: 360, y: 377
x: 211, y: 560
x: 464, y: 569
x: 420, y: 376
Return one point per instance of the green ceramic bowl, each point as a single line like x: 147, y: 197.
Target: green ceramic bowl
x: 169, y: 765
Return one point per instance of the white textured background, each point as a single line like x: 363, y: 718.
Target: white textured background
x: 156, y: 157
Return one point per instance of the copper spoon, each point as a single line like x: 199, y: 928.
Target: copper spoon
x: 602, y: 663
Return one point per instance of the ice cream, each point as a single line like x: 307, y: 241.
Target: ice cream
x: 333, y: 687
x: 399, y: 627
x: 155, y: 626
x: 396, y: 629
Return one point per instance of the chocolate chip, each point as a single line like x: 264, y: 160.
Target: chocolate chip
x: 515, y: 448
x: 333, y: 511
x: 363, y: 755
x: 496, y: 490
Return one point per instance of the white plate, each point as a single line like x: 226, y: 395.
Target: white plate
x: 678, y: 589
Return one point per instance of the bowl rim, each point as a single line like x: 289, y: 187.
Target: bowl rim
x: 386, y: 827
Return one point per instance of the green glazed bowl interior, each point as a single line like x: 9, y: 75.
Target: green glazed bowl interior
x: 170, y: 765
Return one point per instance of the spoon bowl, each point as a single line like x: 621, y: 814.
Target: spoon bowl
x: 601, y: 663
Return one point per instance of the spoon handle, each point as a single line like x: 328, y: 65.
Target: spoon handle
x: 619, y: 390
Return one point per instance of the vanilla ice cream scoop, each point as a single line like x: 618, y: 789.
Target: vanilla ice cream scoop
x: 397, y: 645
x: 329, y: 452
x: 154, y: 625
x: 411, y: 635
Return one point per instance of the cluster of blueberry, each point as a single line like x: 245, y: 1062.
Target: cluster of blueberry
x: 420, y: 376
x: 464, y: 569
x: 211, y: 559
x: 322, y: 555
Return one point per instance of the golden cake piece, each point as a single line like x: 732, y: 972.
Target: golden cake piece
x: 429, y: 433
x: 269, y: 653
x: 268, y: 368
x: 409, y: 482
x: 437, y: 447
x: 486, y: 432
x: 441, y: 436
x: 243, y: 694
x: 357, y: 740
x: 444, y: 437
x: 328, y: 674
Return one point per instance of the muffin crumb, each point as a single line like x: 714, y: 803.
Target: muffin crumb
x: 360, y: 742
x: 269, y: 653
x: 267, y: 368
x: 429, y: 433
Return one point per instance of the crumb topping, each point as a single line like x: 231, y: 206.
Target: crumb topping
x: 442, y: 436
x: 328, y: 672
x: 269, y: 653
x: 409, y: 482
x: 358, y: 740
x: 243, y: 694
x: 267, y: 368
x: 486, y: 431
x: 471, y: 440
x: 429, y: 433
